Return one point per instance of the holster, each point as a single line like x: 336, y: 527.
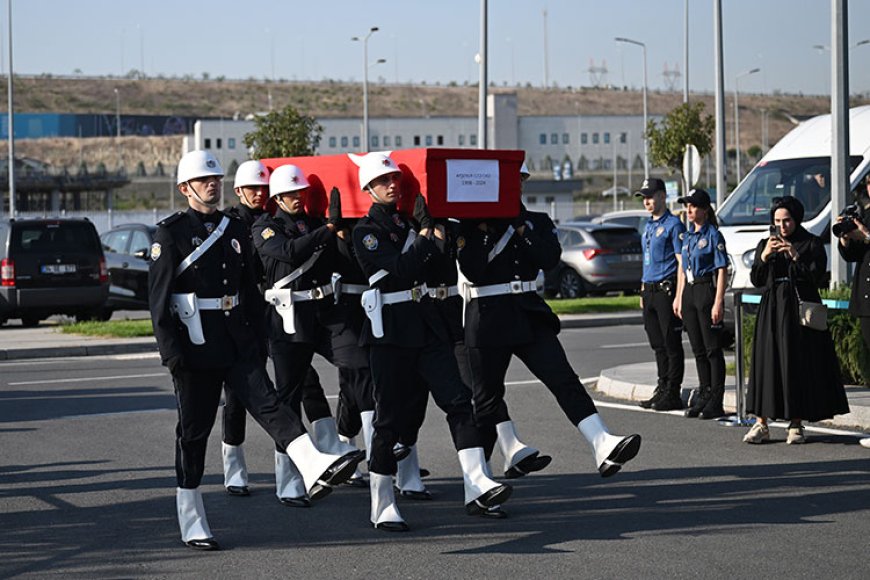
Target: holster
x: 282, y: 300
x: 184, y: 306
x: 373, y: 304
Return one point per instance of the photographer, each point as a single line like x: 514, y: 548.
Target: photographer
x: 854, y: 246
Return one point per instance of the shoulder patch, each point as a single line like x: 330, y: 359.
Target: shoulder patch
x: 721, y: 247
x: 370, y: 242
x: 460, y: 242
x: 267, y: 233
x: 156, y: 250
x: 682, y: 235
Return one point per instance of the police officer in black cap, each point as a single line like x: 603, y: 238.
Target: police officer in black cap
x: 206, y: 311
x: 662, y: 242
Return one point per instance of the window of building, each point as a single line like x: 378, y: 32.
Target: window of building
x: 207, y: 143
x: 461, y: 140
x: 549, y: 199
x: 344, y: 141
x: 386, y: 140
x: 472, y: 140
x: 532, y: 199
x: 356, y: 141
x: 398, y: 140
x: 565, y: 139
x: 416, y: 140
x: 623, y: 137
x: 218, y: 143
x: 542, y: 138
x: 584, y: 138
x: 440, y: 140
x: 595, y: 138
x: 607, y: 138
x: 554, y: 138
x: 332, y: 142
x: 375, y: 141
x: 428, y: 140
x: 231, y: 143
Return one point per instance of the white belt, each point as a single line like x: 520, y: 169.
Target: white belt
x: 318, y: 293
x: 443, y: 292
x: 353, y: 288
x: 223, y: 303
x: 414, y: 294
x: 515, y: 287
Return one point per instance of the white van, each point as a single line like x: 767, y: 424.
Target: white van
x: 798, y: 165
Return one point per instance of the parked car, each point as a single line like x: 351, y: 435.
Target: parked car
x: 635, y: 218
x: 51, y: 266
x: 128, y: 252
x: 596, y: 258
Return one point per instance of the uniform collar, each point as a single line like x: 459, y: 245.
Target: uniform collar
x: 661, y: 217
x: 703, y: 231
x: 388, y: 215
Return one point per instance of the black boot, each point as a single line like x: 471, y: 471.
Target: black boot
x: 699, y: 402
x: 657, y: 394
x: 671, y: 401
x: 713, y: 409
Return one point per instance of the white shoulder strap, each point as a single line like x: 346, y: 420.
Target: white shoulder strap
x: 379, y: 275
x: 283, y: 282
x: 209, y: 242
x: 501, y: 244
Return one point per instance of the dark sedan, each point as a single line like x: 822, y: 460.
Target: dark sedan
x: 128, y: 251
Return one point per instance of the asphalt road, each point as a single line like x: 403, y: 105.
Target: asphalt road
x: 86, y: 490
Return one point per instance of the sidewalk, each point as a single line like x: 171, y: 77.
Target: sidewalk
x: 636, y: 382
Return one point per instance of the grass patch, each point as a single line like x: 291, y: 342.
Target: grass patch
x: 598, y: 304
x: 113, y: 328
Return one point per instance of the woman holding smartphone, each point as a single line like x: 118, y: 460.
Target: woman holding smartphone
x: 701, y: 288
x: 794, y: 372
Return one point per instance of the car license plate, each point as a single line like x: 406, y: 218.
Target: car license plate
x: 58, y: 269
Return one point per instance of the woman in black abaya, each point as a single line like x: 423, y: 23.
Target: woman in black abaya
x: 795, y: 374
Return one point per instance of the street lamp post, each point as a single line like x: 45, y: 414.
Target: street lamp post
x: 365, y: 41
x: 118, y: 126
x: 737, y: 117
x: 645, y: 140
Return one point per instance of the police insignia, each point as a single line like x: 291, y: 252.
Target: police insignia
x: 460, y: 242
x: 720, y: 246
x: 236, y: 245
x: 370, y: 242
x: 300, y: 225
x: 660, y: 230
x: 702, y: 243
x: 196, y: 241
x: 156, y: 250
x: 209, y: 227
x: 267, y: 233
x: 683, y: 235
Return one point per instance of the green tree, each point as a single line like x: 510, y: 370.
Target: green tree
x: 284, y: 133
x: 686, y: 124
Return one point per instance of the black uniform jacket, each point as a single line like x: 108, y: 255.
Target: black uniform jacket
x: 378, y: 239
x: 248, y: 216
x: 859, y: 252
x: 443, y: 274
x: 508, y: 319
x: 348, y: 307
x: 284, y: 243
x: 224, y: 270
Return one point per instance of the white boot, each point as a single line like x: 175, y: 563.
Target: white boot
x: 235, y: 468
x: 408, y: 475
x: 191, y: 515
x: 313, y: 465
x: 610, y: 451
x: 325, y: 435
x: 511, y: 447
x: 357, y: 474
x: 288, y: 480
x: 385, y: 513
x: 368, y: 430
x: 474, y: 473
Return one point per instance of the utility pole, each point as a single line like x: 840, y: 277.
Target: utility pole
x: 483, y: 81
x: 840, y: 178
x: 546, y: 53
x: 11, y: 117
x: 719, y: 76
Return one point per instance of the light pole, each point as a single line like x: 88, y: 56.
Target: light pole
x: 11, y: 116
x: 118, y: 125
x: 365, y: 42
x: 737, y: 117
x: 645, y: 140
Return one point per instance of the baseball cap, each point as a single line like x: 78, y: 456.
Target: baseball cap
x: 697, y: 197
x: 650, y: 187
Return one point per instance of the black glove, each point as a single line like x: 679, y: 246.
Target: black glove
x: 334, y: 211
x: 174, y: 365
x: 421, y: 213
x: 521, y: 218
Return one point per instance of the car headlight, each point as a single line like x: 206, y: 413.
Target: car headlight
x: 748, y: 258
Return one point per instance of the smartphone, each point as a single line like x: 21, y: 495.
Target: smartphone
x: 775, y: 232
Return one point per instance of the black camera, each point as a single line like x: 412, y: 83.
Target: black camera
x: 850, y: 214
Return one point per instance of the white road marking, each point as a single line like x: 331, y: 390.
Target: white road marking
x: 625, y: 345
x: 89, y: 379
x: 583, y: 380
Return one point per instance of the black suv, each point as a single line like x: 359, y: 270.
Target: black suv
x: 51, y: 266
x: 128, y: 252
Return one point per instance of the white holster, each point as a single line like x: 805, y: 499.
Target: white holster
x: 282, y: 300
x: 373, y: 304
x: 184, y: 305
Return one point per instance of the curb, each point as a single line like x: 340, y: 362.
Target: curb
x: 575, y: 321
x: 70, y: 351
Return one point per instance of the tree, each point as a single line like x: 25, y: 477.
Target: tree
x: 284, y: 133
x: 686, y: 124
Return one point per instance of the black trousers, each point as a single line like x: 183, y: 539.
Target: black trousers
x: 664, y: 331
x: 706, y: 341
x: 546, y: 358
x: 354, y: 397
x: 395, y: 371
x: 234, y: 419
x: 197, y: 394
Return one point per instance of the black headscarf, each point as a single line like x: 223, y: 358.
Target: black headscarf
x: 792, y: 204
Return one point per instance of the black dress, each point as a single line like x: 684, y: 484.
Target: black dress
x: 795, y: 372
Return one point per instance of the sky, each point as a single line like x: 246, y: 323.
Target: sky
x: 436, y: 40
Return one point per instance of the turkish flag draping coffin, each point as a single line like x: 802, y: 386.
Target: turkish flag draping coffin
x: 459, y: 183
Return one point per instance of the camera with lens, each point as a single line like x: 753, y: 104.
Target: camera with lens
x: 850, y: 214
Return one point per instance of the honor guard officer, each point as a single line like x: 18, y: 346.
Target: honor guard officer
x: 251, y: 185
x: 662, y: 244
x: 206, y: 311
x: 505, y: 317
x: 701, y: 295
x: 407, y: 337
x: 298, y: 254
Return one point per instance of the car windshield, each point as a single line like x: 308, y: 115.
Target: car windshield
x: 617, y: 238
x: 807, y: 179
x: 54, y: 237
